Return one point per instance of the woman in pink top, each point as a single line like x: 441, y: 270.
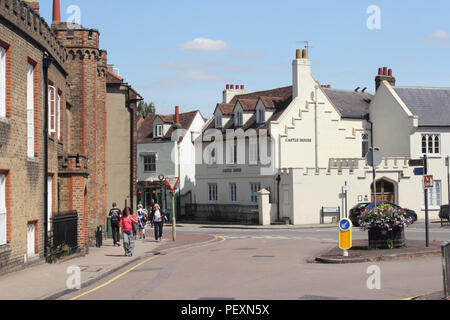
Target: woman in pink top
x: 126, y: 227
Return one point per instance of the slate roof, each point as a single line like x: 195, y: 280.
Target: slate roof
x: 145, y: 132
x: 351, y: 104
x: 431, y: 105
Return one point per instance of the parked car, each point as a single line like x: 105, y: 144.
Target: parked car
x: 355, y: 212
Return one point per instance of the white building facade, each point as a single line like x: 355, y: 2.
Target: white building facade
x: 312, y: 142
x: 163, y: 141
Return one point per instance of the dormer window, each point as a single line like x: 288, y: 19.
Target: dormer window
x: 158, y: 131
x: 219, y: 121
x: 261, y: 116
x: 239, y: 119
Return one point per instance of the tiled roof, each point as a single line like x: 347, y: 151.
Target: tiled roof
x: 145, y: 133
x: 431, y: 105
x: 350, y: 104
x: 111, y: 77
x: 248, y: 104
x: 226, y: 108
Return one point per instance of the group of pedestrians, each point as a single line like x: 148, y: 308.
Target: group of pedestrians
x: 130, y: 225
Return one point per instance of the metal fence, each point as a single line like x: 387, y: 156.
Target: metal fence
x: 65, y: 230
x: 446, y: 267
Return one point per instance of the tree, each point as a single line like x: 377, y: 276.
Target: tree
x: 145, y: 108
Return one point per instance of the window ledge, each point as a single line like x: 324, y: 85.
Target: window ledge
x: 5, y: 248
x: 33, y: 159
x: 4, y: 120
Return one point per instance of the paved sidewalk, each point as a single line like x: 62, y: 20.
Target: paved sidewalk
x: 48, y: 281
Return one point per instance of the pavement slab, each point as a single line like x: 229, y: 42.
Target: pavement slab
x: 48, y: 281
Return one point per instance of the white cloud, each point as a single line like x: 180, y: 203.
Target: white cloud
x: 199, y: 75
x: 440, y: 34
x: 440, y: 37
x: 204, y: 45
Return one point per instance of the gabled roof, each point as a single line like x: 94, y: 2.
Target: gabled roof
x: 247, y: 104
x: 145, y: 132
x: 225, y: 108
x: 431, y: 105
x: 351, y: 104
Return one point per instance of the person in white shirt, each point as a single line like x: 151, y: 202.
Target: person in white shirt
x: 158, y: 222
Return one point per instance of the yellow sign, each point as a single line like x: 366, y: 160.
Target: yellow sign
x: 345, y: 240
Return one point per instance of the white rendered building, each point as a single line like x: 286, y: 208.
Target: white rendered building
x: 316, y: 139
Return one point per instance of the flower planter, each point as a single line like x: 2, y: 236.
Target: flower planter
x: 384, y: 239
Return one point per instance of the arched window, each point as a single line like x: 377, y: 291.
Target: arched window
x: 424, y: 144
x: 436, y: 145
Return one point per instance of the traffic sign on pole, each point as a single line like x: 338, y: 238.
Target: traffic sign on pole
x: 172, y: 183
x: 428, y: 182
x: 419, y: 171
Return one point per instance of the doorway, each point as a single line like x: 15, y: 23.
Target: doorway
x: 385, y: 191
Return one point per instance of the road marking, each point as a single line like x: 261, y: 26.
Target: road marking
x: 415, y: 297
x: 219, y: 238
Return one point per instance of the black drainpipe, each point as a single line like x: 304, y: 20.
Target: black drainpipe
x: 47, y: 62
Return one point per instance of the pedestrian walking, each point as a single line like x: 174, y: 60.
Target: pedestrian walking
x: 152, y: 211
x: 126, y: 225
x: 158, y: 221
x: 115, y: 214
x: 142, y: 216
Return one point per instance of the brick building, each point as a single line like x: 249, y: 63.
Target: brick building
x: 53, y: 81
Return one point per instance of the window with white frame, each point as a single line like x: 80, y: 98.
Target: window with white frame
x: 2, y: 82
x: 232, y: 153
x: 59, y: 112
x: 30, y: 111
x: 434, y: 195
x: 212, y: 189
x: 233, y: 192
x: 261, y: 116
x: 3, y: 224
x: 31, y: 240
x: 364, y: 144
x: 254, y: 189
x: 218, y: 121
x: 158, y: 131
x: 239, y: 119
x: 52, y: 109
x: 150, y: 163
x: 253, y: 152
x: 431, y: 144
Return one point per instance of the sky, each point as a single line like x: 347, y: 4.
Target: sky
x: 183, y: 53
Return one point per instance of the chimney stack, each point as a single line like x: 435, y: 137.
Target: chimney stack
x: 301, y: 70
x: 231, y: 91
x: 177, y: 115
x: 384, y: 74
x: 56, y: 11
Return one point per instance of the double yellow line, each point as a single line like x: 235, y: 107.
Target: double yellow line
x: 218, y: 239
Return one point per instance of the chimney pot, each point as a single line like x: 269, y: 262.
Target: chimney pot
x: 385, y: 71
x: 242, y: 87
x: 232, y: 87
x: 298, y: 54
x: 390, y: 72
x: 304, y: 54
x: 228, y: 87
x: 380, y: 71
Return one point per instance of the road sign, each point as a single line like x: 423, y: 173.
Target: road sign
x: 419, y: 171
x: 428, y: 182
x: 374, y: 158
x: 416, y: 163
x: 172, y: 182
x: 345, y: 235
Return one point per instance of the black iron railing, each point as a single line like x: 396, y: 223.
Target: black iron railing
x: 65, y: 231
